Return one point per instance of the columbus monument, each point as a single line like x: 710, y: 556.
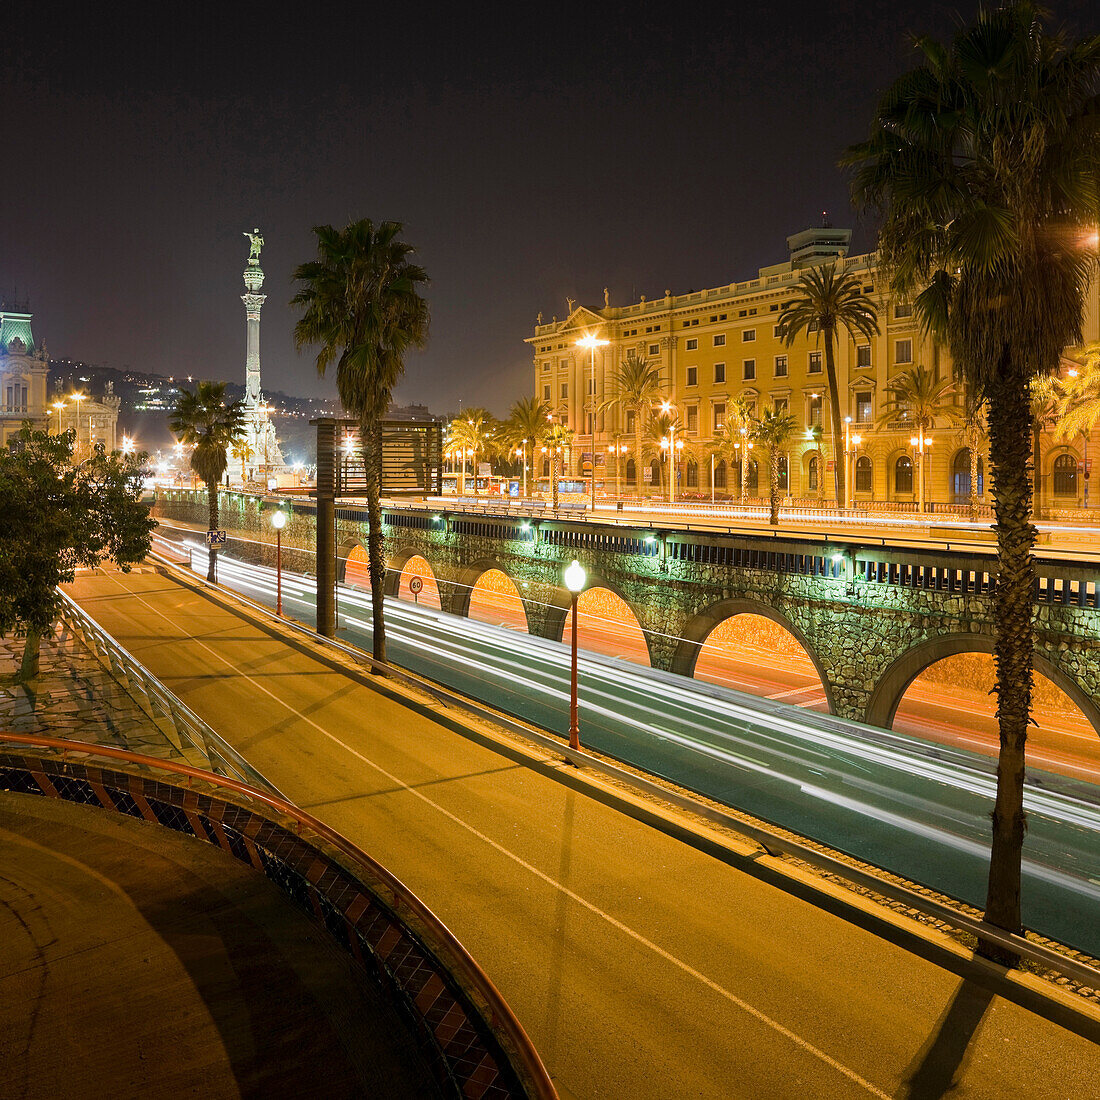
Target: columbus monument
x: 262, y: 445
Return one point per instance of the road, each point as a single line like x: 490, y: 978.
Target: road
x: 640, y: 966
x: 894, y: 800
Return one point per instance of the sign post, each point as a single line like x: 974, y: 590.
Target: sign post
x: 415, y: 585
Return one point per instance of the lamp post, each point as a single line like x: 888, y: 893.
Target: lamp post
x: 128, y: 445
x: 856, y: 441
x: 575, y: 577
x: 59, y: 405
x: 278, y: 521
x: 78, y: 397
x: 522, y: 452
x: 921, y: 442
x: 592, y: 342
x: 618, y: 449
x: 666, y: 407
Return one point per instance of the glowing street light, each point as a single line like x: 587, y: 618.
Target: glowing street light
x: 922, y: 443
x: 575, y: 578
x: 592, y: 342
x: 128, y: 445
x: 59, y: 405
x: 278, y: 521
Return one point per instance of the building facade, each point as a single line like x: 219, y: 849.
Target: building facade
x: 23, y: 372
x: 721, y: 346
x: 92, y: 420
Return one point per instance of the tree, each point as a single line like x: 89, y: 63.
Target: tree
x: 205, y: 422
x: 361, y: 303
x: 983, y: 165
x: 774, y: 431
x: 916, y: 398
x: 730, y: 439
x: 827, y: 300
x: 975, y: 437
x: 243, y: 452
x: 527, y: 424
x: 638, y: 387
x: 54, y: 517
x: 473, y: 431
x: 559, y: 439
x: 1077, y: 397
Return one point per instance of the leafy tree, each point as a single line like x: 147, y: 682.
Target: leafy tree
x: 826, y: 300
x: 204, y: 421
x: 527, y: 424
x: 983, y: 164
x: 637, y: 388
x: 243, y: 452
x: 55, y: 517
x: 1044, y: 395
x: 1077, y: 397
x: 361, y: 303
x: 729, y: 441
x: 474, y: 431
x: 558, y: 440
x: 774, y: 431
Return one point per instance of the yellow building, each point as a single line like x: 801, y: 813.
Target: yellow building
x: 23, y: 371
x: 720, y: 345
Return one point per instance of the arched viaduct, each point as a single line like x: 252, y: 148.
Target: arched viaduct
x: 871, y: 619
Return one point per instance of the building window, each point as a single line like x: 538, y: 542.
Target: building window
x: 546, y: 365
x: 903, y: 475
x: 654, y: 349
x: 960, y: 476
x: 693, y: 376
x: 546, y: 393
x: 591, y: 386
x: 902, y: 310
x: 564, y: 390
x: 692, y: 476
x: 692, y: 344
x: 748, y: 372
x: 903, y: 351
x: 719, y: 372
x: 780, y: 366
x: 720, y: 340
x: 752, y: 481
x: 1064, y: 482
x: 815, y: 363
x: 863, y: 474
x: 719, y: 415
x: 720, y: 475
x: 814, y: 411
x: 630, y: 415
x: 693, y: 418
x: 784, y: 474
x: 863, y: 355
x: 563, y: 364
x: 748, y: 336
x: 777, y: 331
x: 863, y: 406
x: 813, y: 473
x: 631, y: 471
x: 781, y: 406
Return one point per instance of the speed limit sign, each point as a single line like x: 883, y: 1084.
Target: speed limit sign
x: 415, y: 585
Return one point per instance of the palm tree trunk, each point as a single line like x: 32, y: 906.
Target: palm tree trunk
x: 28, y: 669
x: 370, y: 432
x: 973, y: 483
x: 773, y: 473
x: 834, y: 410
x: 554, y: 478
x: 638, y: 453
x: 212, y: 557
x: 1037, y: 461
x: 1013, y: 639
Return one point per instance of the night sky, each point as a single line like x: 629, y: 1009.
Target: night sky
x: 532, y: 153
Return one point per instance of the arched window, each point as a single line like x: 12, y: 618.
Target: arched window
x: 655, y: 472
x: 813, y: 474
x: 960, y: 476
x: 720, y: 475
x: 631, y: 471
x: 784, y: 474
x: 692, y: 476
x: 752, y: 481
x: 903, y: 474
x: 863, y: 474
x: 1064, y: 482
x: 546, y: 467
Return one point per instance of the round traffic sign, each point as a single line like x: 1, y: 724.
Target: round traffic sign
x: 415, y: 585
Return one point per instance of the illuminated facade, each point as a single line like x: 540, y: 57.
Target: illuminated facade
x: 718, y: 346
x: 23, y: 372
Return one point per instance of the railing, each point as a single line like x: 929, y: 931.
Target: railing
x: 164, y: 708
x: 326, y: 887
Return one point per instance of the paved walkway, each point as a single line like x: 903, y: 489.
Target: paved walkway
x: 137, y: 962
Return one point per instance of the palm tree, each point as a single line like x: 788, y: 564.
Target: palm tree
x: 1077, y: 408
x: 637, y: 388
x: 916, y: 398
x: 1044, y: 397
x: 559, y: 439
x: 974, y: 436
x: 730, y: 439
x: 527, y: 424
x: 774, y: 431
x: 362, y: 304
x: 827, y: 300
x: 203, y: 421
x: 660, y: 428
x: 473, y: 431
x: 982, y: 164
x: 243, y: 452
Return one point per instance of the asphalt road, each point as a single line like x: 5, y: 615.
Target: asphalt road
x: 640, y: 966
x: 895, y: 800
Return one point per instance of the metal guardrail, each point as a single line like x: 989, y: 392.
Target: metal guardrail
x: 159, y: 703
x: 773, y: 843
x: 480, y: 993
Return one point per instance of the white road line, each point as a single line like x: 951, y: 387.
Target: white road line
x: 751, y: 1010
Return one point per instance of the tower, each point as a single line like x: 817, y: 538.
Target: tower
x: 262, y: 450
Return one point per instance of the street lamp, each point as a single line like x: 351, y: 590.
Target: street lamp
x: 127, y: 445
x: 921, y: 442
x: 78, y: 397
x: 278, y: 521
x: 592, y: 342
x: 522, y: 452
x: 59, y: 405
x: 575, y: 577
x: 618, y: 450
x: 745, y: 447
x: 666, y: 407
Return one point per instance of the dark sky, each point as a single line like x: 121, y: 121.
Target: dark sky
x: 532, y: 153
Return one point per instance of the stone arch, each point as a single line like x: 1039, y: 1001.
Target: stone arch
x: 700, y: 626
x: 468, y: 578
x: 343, y: 552
x: 893, y: 683
x: 560, y: 604
x: 396, y: 561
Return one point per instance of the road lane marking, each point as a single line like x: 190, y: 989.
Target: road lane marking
x: 686, y: 968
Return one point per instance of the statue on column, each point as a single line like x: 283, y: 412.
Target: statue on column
x: 255, y: 243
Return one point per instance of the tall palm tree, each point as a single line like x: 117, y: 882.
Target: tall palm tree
x: 202, y: 420
x: 559, y: 440
x: 729, y: 440
x: 361, y: 303
x: 244, y: 453
x: 660, y: 429
x: 917, y: 399
x: 828, y: 300
x: 1077, y: 407
x: 774, y: 431
x: 637, y: 387
x: 527, y: 424
x: 473, y: 431
x: 982, y: 163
